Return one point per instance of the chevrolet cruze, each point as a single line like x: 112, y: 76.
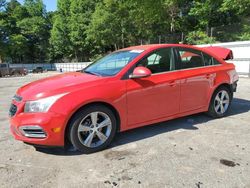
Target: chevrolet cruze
x: 129, y: 88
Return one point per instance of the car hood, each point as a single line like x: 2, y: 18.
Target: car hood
x: 59, y: 84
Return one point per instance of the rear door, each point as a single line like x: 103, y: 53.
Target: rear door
x: 197, y: 79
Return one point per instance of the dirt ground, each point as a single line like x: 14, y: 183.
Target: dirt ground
x: 195, y: 151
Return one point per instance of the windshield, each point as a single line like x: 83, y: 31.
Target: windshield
x: 111, y: 64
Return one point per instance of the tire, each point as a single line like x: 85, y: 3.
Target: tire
x: 219, y: 105
x: 85, y: 132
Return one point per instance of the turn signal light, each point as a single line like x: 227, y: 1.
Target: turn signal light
x: 56, y: 130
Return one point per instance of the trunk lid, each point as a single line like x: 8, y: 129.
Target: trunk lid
x: 223, y: 53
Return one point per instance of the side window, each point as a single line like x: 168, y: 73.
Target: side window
x: 208, y: 60
x: 159, y: 61
x: 189, y: 58
x: 153, y: 59
x: 215, y: 62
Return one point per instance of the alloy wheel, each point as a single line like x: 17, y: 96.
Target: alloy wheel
x: 221, y: 102
x: 94, y: 129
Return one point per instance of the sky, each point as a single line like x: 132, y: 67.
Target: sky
x: 50, y: 4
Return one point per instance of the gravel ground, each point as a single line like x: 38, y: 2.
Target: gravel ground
x: 195, y: 151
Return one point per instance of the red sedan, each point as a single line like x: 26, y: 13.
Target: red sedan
x: 129, y: 88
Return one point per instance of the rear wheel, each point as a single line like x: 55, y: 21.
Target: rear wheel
x: 92, y: 129
x: 220, y: 102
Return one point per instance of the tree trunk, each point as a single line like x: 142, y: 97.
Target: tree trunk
x: 123, y: 42
x: 76, y: 57
x: 172, y: 24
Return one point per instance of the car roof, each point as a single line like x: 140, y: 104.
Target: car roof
x: 151, y: 47
x: 156, y: 46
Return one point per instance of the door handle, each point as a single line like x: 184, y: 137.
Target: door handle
x: 208, y: 76
x: 172, y: 83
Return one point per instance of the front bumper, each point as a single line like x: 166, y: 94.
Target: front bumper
x: 23, y: 125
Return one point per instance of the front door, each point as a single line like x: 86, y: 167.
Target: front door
x: 157, y: 96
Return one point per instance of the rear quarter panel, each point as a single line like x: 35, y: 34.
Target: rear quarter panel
x: 225, y: 74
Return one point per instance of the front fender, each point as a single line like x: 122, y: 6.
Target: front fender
x: 112, y: 93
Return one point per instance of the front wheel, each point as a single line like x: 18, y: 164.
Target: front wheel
x: 92, y: 129
x: 220, y: 102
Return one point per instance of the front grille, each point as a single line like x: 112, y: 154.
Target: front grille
x: 13, y: 110
x: 33, y: 131
x: 17, y: 98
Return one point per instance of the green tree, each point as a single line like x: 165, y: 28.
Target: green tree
x: 24, y: 31
x: 117, y: 24
x: 17, y: 47
x: 105, y: 28
x: 81, y: 12
x: 148, y: 18
x: 241, y: 7
x: 60, y: 44
x: 81, y: 29
x: 3, y: 35
x: 35, y: 8
x: 199, y: 37
x: 35, y: 29
x: 173, y: 12
x: 10, y: 31
x: 207, y: 14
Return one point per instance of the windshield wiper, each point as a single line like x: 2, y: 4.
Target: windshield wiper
x: 93, y: 73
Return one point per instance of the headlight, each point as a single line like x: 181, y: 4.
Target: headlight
x: 41, y: 105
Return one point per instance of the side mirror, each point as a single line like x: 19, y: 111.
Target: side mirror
x: 140, y: 72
